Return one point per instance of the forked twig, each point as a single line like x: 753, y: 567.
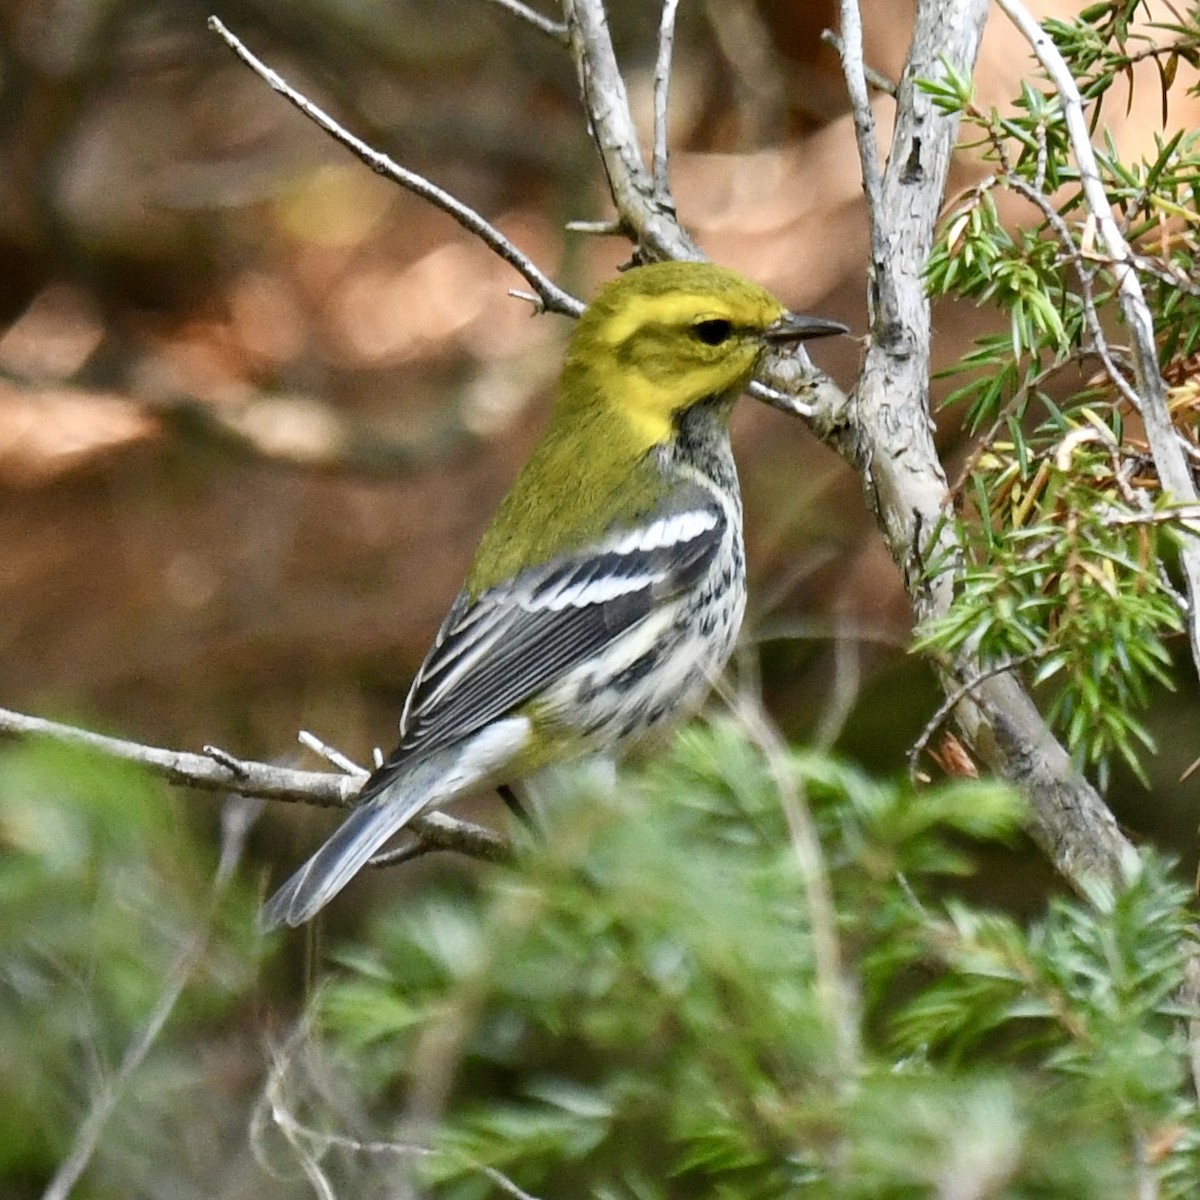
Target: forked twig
x: 649, y: 222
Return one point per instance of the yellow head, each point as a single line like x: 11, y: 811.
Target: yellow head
x: 661, y: 338
x: 654, y: 342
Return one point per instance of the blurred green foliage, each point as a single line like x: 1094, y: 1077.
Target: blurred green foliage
x: 635, y: 1010
x: 105, y: 899
x: 643, y: 1005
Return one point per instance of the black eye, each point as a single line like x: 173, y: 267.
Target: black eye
x: 713, y: 331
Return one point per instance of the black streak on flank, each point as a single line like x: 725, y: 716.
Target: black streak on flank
x: 637, y: 670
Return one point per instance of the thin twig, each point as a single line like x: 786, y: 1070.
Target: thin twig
x: 952, y: 701
x: 1181, y: 514
x: 649, y: 222
x: 854, y: 69
x: 1144, y: 1173
x: 407, y: 853
x: 842, y: 695
x: 879, y: 81
x: 1086, y: 278
x: 662, y: 90
x: 297, y: 1136
x: 266, y: 781
x: 1071, y: 252
x: 1171, y: 275
x: 605, y: 228
x: 440, y: 831
x: 791, y: 405
x: 1169, y: 459
x: 556, y: 29
x: 1190, y: 995
x: 551, y: 296
x: 312, y: 1143
x: 330, y: 754
x: 236, y: 820
x: 225, y: 759
x: 248, y: 778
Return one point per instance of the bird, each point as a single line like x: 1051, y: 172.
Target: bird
x: 607, y: 593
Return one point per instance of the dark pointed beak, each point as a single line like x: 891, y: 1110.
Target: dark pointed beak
x: 796, y: 327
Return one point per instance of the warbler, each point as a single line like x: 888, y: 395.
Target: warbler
x: 608, y: 591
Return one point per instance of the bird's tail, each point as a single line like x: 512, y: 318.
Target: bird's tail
x: 429, y: 782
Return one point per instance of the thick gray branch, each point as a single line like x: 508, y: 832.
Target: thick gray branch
x: 887, y: 433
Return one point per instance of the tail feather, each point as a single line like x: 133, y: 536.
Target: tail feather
x: 346, y: 852
x: 432, y: 781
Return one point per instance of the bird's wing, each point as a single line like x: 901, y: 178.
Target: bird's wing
x: 498, y: 650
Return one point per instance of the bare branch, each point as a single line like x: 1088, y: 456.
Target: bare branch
x: 643, y: 201
x: 1169, y: 459
x: 609, y: 228
x: 850, y: 47
x: 879, y: 81
x: 556, y: 29
x: 312, y: 1144
x: 662, y: 90
x: 243, y: 777
x: 552, y: 297
x: 1086, y: 279
x: 886, y: 433
x: 331, y: 754
x: 951, y: 703
x: 1169, y: 273
x: 642, y: 213
x: 195, y: 770
x: 225, y: 759
x: 780, y: 400
x: 440, y: 831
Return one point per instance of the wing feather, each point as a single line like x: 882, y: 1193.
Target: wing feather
x: 498, y: 650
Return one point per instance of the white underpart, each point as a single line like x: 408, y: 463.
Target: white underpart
x: 483, y: 755
x: 581, y: 698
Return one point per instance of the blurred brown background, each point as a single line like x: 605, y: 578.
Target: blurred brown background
x: 256, y: 404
